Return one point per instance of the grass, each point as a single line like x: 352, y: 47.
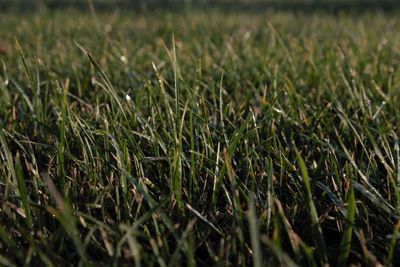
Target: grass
x: 200, y: 138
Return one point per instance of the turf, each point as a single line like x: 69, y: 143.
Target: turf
x: 199, y: 138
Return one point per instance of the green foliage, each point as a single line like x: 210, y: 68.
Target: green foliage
x: 201, y: 138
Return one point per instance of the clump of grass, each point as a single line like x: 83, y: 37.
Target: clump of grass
x: 199, y: 139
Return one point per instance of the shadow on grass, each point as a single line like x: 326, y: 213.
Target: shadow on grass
x: 251, y: 6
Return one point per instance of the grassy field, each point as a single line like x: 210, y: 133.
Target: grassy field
x: 199, y: 138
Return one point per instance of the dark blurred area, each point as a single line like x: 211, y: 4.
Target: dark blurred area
x: 330, y: 6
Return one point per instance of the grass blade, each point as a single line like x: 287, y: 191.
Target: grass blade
x: 254, y: 233
x: 315, y: 226
x: 345, y: 245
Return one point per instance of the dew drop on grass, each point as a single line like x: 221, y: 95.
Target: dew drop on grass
x: 108, y: 28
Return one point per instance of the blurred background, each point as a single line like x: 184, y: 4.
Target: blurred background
x: 224, y: 5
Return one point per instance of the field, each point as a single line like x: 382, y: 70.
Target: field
x: 199, y: 137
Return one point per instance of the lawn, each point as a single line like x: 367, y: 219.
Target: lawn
x: 199, y: 137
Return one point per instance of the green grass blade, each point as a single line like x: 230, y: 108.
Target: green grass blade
x: 394, y: 245
x: 254, y: 233
x: 345, y: 245
x: 315, y: 226
x: 23, y: 192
